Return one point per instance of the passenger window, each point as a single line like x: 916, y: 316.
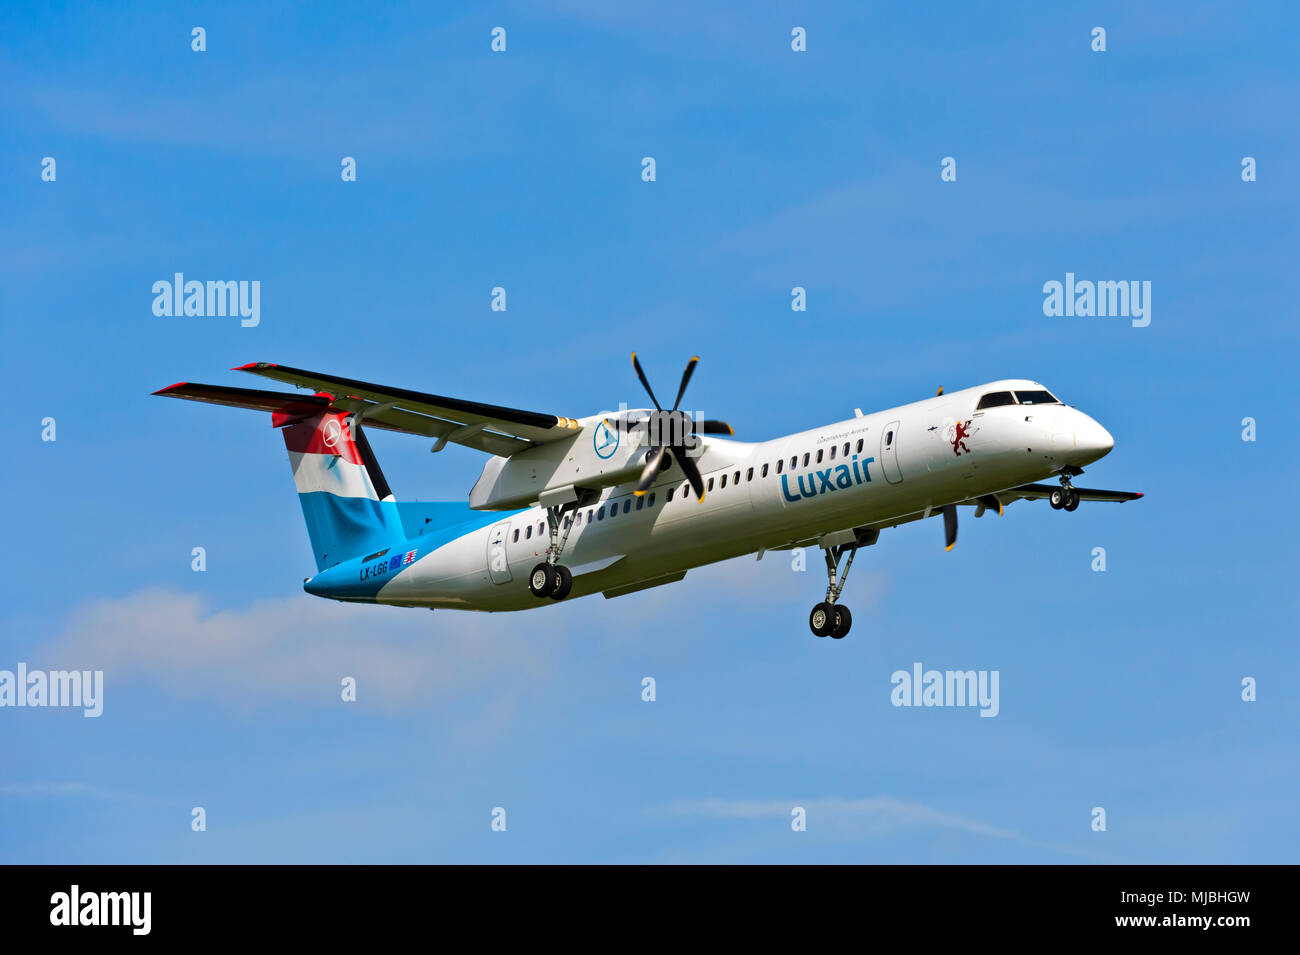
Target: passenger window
x: 589, y: 516
x: 528, y: 532
x: 846, y: 449
x: 995, y: 399
x: 578, y: 518
x: 832, y: 453
x: 640, y: 502
x: 516, y: 537
x: 749, y: 475
x: 889, y: 438
x: 794, y: 461
x: 669, y: 496
x: 600, y: 513
x: 806, y: 456
x: 764, y: 471
x: 627, y: 505
x: 859, y: 445
x: 710, y: 487
x: 779, y: 462
x: 724, y: 481
x: 735, y: 479
x: 651, y: 502
x: 613, y: 509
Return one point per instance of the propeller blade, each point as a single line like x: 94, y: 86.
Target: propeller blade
x: 713, y: 427
x: 692, y: 474
x: 641, y: 374
x: 949, y: 526
x: 991, y: 501
x: 686, y: 377
x: 651, y: 470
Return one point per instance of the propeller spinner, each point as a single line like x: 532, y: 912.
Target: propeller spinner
x: 668, y: 430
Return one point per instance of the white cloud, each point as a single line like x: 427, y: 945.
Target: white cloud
x: 64, y: 789
x: 301, y: 648
x: 860, y: 818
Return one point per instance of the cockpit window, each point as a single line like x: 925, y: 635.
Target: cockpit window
x: 996, y: 399
x: 1036, y: 398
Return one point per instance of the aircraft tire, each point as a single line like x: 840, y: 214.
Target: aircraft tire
x: 563, y: 582
x: 541, y: 581
x: 821, y: 619
x: 1071, y: 499
x: 843, y: 621
x: 1057, y: 499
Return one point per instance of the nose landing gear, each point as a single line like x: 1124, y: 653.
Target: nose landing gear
x: 1066, y: 498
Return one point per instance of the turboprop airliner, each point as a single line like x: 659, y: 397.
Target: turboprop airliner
x: 618, y: 503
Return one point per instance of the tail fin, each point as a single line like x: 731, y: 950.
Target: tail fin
x: 345, y: 499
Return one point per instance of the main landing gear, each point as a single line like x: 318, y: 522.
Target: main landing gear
x: 551, y: 578
x: 828, y: 618
x: 1066, y: 497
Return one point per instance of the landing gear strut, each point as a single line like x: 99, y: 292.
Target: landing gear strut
x: 1066, y: 497
x: 828, y: 618
x: 551, y: 578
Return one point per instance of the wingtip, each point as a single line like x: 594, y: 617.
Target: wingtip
x: 253, y: 364
x: 163, y: 391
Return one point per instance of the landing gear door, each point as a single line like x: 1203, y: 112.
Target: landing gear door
x: 498, y: 564
x: 889, y: 452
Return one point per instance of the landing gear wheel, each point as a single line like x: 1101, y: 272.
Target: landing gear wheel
x: 1071, y: 499
x: 563, y: 580
x: 822, y: 619
x: 1057, y: 498
x: 542, y: 580
x: 843, y: 620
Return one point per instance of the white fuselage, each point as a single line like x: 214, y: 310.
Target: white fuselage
x: 886, y: 467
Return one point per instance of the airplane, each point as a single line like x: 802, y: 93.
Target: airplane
x: 620, y: 503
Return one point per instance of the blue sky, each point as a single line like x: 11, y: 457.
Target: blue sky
x: 774, y: 169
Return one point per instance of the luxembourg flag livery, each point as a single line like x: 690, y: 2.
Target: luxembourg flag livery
x: 334, y: 471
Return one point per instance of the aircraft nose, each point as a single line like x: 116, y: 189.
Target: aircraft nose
x: 1092, y: 439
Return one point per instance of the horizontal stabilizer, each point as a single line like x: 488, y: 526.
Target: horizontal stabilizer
x: 491, y: 428
x: 286, y: 401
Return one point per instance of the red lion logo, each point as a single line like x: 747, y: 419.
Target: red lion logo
x: 960, y: 434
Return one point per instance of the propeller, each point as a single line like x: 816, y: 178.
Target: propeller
x: 989, y: 501
x: 668, y: 429
x: 949, y: 526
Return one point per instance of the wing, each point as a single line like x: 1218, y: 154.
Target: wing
x: 489, y: 428
x: 1036, y: 492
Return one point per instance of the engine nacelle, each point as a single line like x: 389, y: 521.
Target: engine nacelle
x: 600, y: 455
